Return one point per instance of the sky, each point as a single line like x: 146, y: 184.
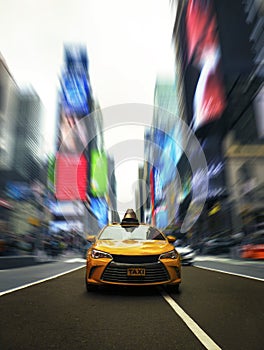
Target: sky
x: 128, y: 44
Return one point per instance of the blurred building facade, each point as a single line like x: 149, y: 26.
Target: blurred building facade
x: 245, y: 139
x: 162, y: 152
x: 219, y: 60
x: 8, y: 116
x: 28, y: 151
x: 22, y: 175
x: 8, y: 108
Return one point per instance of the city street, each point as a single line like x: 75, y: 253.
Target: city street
x: 131, y: 175
x: 213, y: 310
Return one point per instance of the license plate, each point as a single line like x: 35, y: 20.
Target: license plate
x: 136, y: 271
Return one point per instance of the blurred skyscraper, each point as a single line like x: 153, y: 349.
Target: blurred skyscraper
x: 8, y: 116
x: 28, y: 151
x: 162, y: 153
x: 22, y: 179
x: 219, y: 57
x: 80, y: 170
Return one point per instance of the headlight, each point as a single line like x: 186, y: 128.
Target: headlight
x: 170, y: 255
x: 97, y: 254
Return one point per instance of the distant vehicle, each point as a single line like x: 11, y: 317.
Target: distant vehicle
x: 186, y: 252
x: 219, y: 245
x: 132, y: 254
x: 253, y: 247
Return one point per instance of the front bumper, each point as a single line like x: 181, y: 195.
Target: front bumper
x: 105, y: 272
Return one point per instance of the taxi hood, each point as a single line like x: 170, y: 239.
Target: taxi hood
x: 134, y: 247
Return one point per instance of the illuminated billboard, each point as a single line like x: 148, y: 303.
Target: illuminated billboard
x: 51, y: 173
x: 170, y: 156
x: 75, y: 93
x: 75, y: 101
x: 161, y: 217
x: 70, y: 177
x: 211, y: 146
x: 158, y: 193
x: 204, y: 55
x: 98, y: 173
x: 75, y: 86
x: 19, y: 190
x: 99, y: 208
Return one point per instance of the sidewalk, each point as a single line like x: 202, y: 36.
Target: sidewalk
x: 39, y: 257
x: 229, y: 259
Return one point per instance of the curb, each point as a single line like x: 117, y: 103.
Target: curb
x: 17, y: 261
x: 13, y: 262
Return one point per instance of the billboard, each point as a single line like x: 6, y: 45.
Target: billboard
x: 98, y: 173
x: 75, y: 101
x: 170, y: 156
x: 19, y: 190
x: 161, y: 217
x: 67, y: 226
x: 211, y: 146
x: 75, y: 93
x: 158, y: 193
x: 99, y: 208
x: 75, y: 56
x: 51, y: 172
x: 204, y: 55
x: 66, y: 208
x: 70, y: 177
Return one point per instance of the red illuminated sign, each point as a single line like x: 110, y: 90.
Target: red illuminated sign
x: 204, y: 53
x: 71, y: 177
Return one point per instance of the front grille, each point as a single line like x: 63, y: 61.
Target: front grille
x: 135, y: 259
x: 116, y: 272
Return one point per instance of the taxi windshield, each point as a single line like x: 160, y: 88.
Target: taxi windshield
x: 136, y: 232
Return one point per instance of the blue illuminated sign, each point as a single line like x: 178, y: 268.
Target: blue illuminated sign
x: 99, y: 208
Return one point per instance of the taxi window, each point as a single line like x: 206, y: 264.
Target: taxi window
x: 137, y: 232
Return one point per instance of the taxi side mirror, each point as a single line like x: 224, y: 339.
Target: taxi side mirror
x: 91, y: 239
x: 171, y: 239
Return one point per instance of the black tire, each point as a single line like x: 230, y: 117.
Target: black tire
x: 173, y: 288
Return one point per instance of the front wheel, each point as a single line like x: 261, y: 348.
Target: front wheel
x: 173, y: 288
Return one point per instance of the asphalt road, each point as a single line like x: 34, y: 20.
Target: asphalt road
x: 14, y: 278
x: 60, y: 314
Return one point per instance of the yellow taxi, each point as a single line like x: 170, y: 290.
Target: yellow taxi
x: 132, y: 254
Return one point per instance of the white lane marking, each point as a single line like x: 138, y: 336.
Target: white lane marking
x: 228, y: 260
x: 196, y: 330
x: 39, y: 281
x: 230, y: 273
x: 74, y: 260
